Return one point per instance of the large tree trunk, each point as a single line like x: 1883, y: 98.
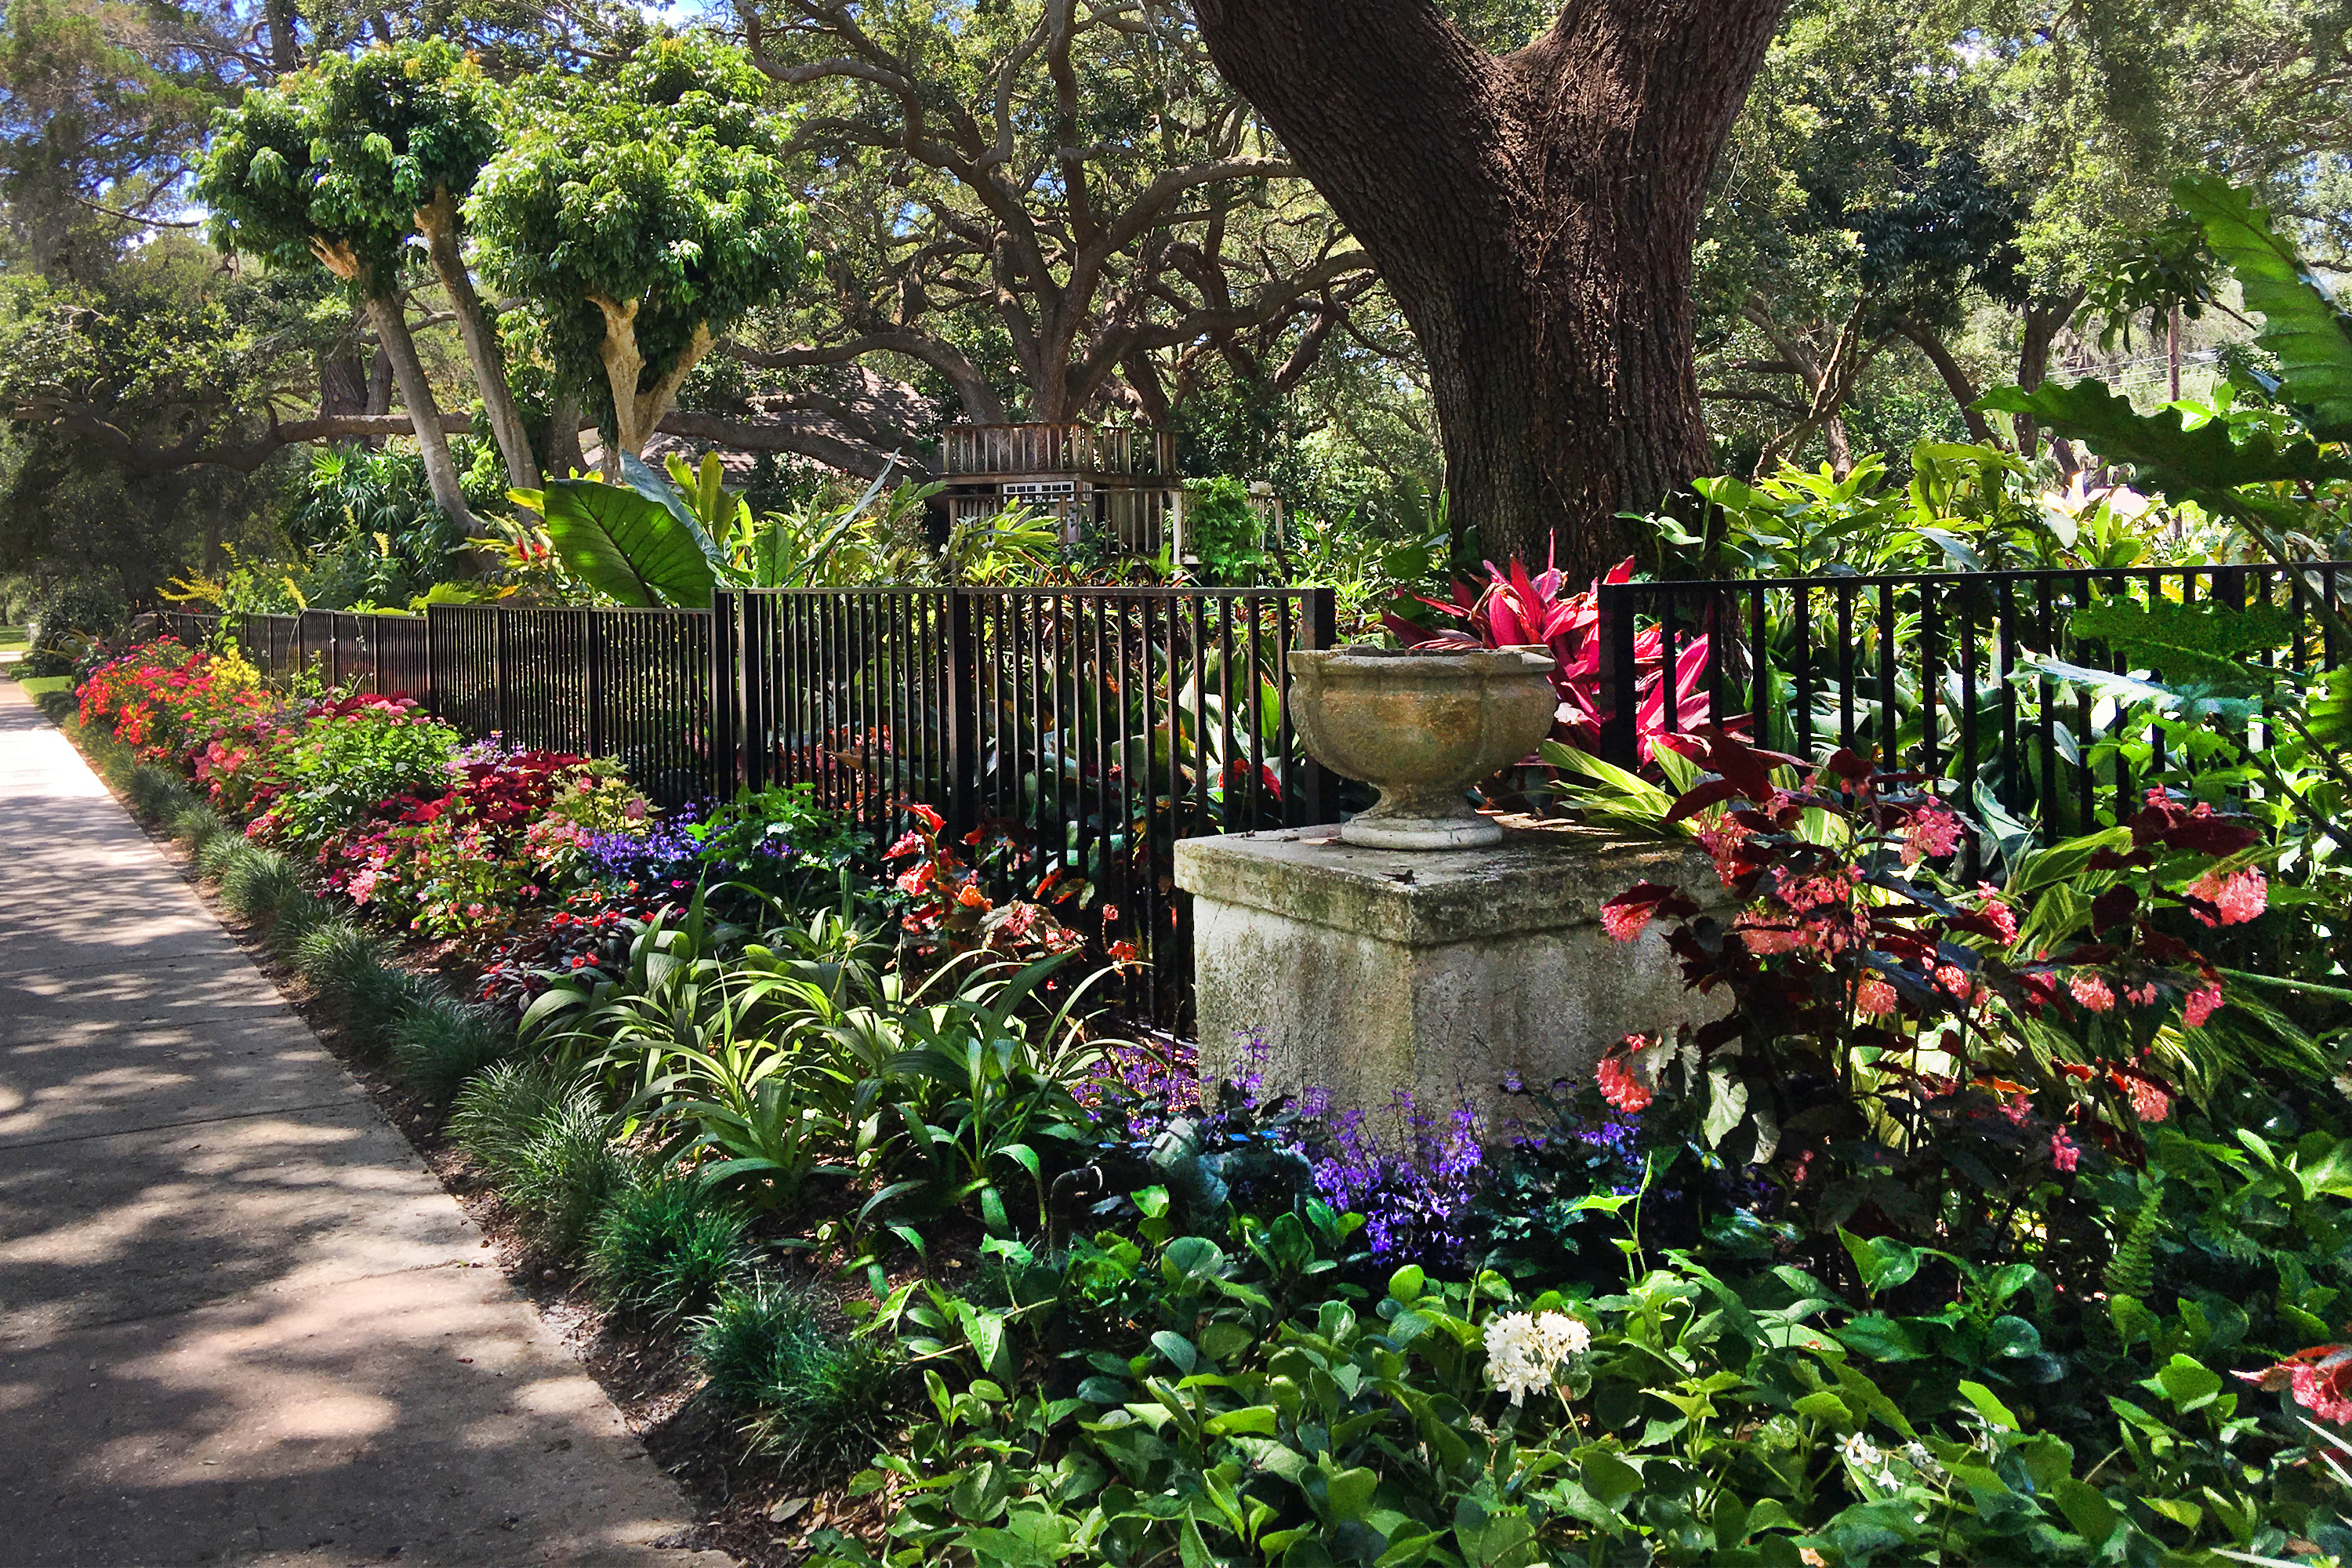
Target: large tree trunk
x: 437, y: 220
x: 1534, y: 216
x: 638, y: 409
x: 424, y: 413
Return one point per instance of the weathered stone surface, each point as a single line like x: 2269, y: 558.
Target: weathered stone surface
x: 1422, y: 725
x: 1366, y: 971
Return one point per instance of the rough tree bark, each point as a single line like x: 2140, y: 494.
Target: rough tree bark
x: 1534, y: 215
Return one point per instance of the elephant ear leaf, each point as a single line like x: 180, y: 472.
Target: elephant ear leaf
x: 627, y: 548
x: 2175, y: 457
x: 2301, y: 324
x: 650, y: 485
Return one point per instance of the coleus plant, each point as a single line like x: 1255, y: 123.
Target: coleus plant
x: 1921, y: 1056
x: 1515, y: 608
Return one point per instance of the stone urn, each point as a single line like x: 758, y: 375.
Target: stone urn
x: 1423, y: 725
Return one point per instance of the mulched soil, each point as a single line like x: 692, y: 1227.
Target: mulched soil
x: 750, y: 1505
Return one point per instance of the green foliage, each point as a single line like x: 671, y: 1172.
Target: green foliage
x: 666, y: 1248
x: 338, y: 157
x: 658, y: 190
x: 439, y: 1043
x: 813, y: 1396
x: 2301, y: 324
x: 631, y: 550
x: 1222, y: 530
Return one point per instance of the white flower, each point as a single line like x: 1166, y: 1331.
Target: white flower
x: 1861, y: 1453
x: 1563, y: 1336
x: 1516, y: 1358
x: 1916, y: 1455
x: 1524, y: 1352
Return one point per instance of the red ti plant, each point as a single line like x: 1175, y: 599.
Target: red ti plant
x: 1515, y: 609
x: 1902, y: 1054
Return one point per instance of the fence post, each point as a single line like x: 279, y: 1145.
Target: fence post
x: 501, y: 673
x: 1620, y: 676
x: 1319, y: 628
x: 963, y: 713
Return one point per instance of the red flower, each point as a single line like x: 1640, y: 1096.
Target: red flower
x: 1618, y: 1087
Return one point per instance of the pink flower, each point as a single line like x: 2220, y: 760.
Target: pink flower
x: 2203, y: 1003
x: 1816, y: 892
x: 1618, y: 1087
x: 1953, y: 979
x: 2017, y: 1108
x: 1932, y: 834
x: 2093, y: 992
x: 1873, y: 998
x: 2236, y: 897
x: 2149, y: 1103
x: 1624, y: 922
x: 2064, y: 1153
x: 2003, y: 918
x: 1762, y: 938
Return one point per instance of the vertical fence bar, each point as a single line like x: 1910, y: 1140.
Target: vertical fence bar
x: 1619, y: 677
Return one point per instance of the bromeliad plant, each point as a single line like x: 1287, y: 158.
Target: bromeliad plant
x: 1914, y: 1057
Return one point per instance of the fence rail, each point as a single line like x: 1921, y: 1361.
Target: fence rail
x: 1056, y: 450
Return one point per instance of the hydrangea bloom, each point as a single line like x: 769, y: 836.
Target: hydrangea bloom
x: 2203, y: 1003
x: 1524, y: 1351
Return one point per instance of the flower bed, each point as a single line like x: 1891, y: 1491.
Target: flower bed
x: 1942, y: 1246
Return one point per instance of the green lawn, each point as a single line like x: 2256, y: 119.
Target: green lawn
x: 37, y: 685
x: 13, y: 639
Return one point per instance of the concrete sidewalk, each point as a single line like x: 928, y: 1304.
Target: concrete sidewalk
x: 240, y: 1322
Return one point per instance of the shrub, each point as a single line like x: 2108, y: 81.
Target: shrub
x: 349, y: 757
x: 666, y: 1248
x: 813, y: 1396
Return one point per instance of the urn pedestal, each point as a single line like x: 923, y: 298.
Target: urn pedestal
x: 1368, y: 970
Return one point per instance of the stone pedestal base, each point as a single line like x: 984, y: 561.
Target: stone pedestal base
x: 1442, y: 972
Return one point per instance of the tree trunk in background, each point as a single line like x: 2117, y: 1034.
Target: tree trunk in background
x: 437, y: 220
x: 423, y: 414
x: 1534, y: 216
x: 562, y: 447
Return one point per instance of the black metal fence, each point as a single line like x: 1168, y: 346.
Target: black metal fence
x: 1072, y: 735
x: 1920, y: 670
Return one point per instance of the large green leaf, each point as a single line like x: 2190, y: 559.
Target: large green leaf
x: 2301, y: 324
x: 650, y: 485
x: 625, y: 547
x: 2206, y: 641
x: 2174, y: 457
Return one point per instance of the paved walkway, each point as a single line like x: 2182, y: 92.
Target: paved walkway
x: 240, y: 1323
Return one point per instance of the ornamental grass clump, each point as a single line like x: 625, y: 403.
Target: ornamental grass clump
x: 813, y: 1396
x: 547, y: 1142
x: 256, y: 883
x: 439, y: 1042
x: 666, y: 1248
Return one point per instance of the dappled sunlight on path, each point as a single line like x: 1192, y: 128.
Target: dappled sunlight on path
x: 240, y: 1322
